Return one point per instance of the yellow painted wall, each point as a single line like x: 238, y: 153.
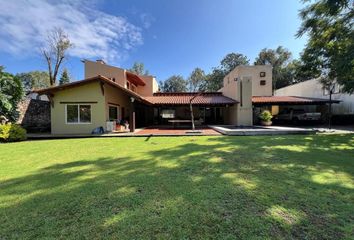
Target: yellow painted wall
x: 86, y: 93
x: 231, y: 115
x: 116, y: 96
x: 275, y: 110
x: 150, y: 87
x: 250, y: 77
x: 93, y: 69
x: 244, y: 108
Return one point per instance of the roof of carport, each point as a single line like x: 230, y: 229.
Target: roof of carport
x: 289, y: 100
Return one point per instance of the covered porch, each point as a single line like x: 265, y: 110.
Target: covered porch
x: 174, y: 109
x: 181, y: 115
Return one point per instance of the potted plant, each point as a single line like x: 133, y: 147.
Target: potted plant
x: 266, y: 118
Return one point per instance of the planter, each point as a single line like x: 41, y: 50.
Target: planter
x: 268, y: 123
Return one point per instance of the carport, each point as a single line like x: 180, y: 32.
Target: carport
x: 276, y: 104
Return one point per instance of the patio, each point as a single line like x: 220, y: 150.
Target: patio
x: 170, y: 131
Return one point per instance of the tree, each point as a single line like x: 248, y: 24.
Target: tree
x: 328, y: 84
x: 139, y: 69
x: 55, y: 52
x: 34, y: 80
x: 303, y: 71
x: 196, y: 80
x: 64, y: 79
x: 11, y: 93
x: 175, y: 83
x: 330, y: 48
x: 279, y: 59
x: 232, y: 60
x: 214, y: 80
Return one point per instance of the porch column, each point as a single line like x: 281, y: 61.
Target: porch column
x: 132, y: 115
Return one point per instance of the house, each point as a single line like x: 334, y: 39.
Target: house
x: 110, y: 94
x: 343, y: 111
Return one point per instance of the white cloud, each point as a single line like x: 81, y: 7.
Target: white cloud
x: 24, y: 26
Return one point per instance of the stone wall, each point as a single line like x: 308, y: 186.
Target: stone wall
x: 34, y: 115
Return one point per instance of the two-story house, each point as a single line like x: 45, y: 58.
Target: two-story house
x: 111, y: 94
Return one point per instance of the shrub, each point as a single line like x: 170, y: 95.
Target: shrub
x: 265, y: 116
x: 12, y: 133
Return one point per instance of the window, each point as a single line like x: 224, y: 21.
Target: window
x: 262, y: 74
x: 112, y: 113
x: 77, y: 113
x: 128, y: 85
x: 168, y: 113
x: 241, y: 97
x: 262, y: 82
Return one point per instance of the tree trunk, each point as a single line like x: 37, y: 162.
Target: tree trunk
x: 192, y: 115
x: 330, y: 110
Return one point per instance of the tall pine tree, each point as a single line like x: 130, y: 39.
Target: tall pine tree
x: 64, y: 79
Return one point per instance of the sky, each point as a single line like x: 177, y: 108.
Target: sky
x: 169, y: 37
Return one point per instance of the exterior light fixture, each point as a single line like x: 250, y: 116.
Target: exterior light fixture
x: 132, y: 99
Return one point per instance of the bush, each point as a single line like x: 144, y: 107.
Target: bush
x: 265, y: 116
x: 12, y: 133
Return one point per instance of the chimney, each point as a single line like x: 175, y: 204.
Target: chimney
x: 100, y: 61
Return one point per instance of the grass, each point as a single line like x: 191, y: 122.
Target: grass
x: 280, y: 187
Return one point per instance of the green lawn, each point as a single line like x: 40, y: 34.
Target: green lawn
x: 285, y: 187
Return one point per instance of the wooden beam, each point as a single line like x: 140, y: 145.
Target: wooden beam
x: 50, y: 97
x: 77, y: 102
x: 102, y: 87
x: 132, y: 117
x: 115, y: 104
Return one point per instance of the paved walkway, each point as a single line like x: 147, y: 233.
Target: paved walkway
x: 166, y: 131
x: 204, y: 131
x: 323, y: 128
x: 144, y: 132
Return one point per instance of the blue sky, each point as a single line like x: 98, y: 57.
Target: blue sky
x: 169, y: 37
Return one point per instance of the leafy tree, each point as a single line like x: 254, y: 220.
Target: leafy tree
x: 139, y: 69
x: 214, y: 80
x: 196, y: 80
x: 232, y: 60
x: 279, y: 59
x: 330, y: 49
x: 54, y: 53
x: 64, y: 79
x: 34, y: 80
x: 175, y: 83
x: 11, y: 93
x: 303, y: 71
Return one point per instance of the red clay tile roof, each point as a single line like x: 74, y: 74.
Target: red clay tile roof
x: 98, y: 78
x: 289, y: 100
x: 135, y: 79
x: 210, y: 98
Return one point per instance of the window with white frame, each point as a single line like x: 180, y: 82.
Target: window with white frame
x: 78, y: 113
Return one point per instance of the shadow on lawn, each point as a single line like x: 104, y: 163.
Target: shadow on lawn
x: 228, y: 188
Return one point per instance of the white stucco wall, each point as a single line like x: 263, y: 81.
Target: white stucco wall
x: 313, y: 88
